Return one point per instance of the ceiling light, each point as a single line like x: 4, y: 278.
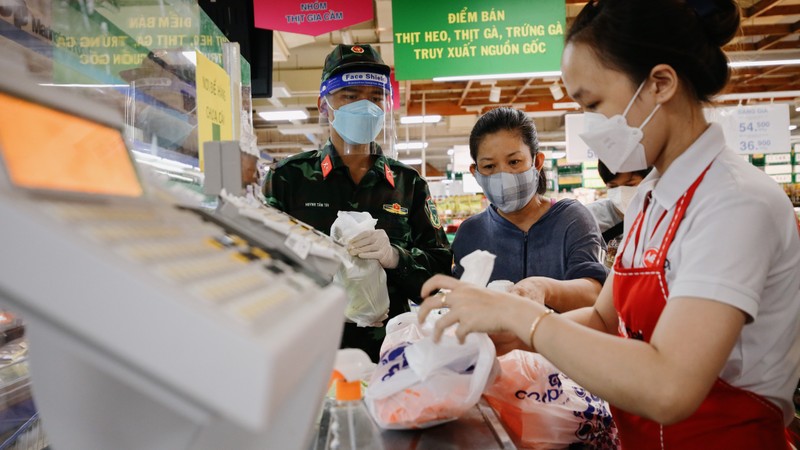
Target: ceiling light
x: 501, y: 76
x: 539, y: 114
x: 763, y: 63
x: 280, y: 89
x: 292, y: 114
x: 414, y: 145
x: 792, y: 127
x: 279, y: 145
x: 408, y: 120
x: 494, y: 94
x: 552, y: 144
x: 756, y: 95
x: 412, y: 161
x: 566, y: 105
x: 556, y: 92
x: 554, y: 155
x: 300, y: 129
x: 557, y: 73
x: 72, y: 85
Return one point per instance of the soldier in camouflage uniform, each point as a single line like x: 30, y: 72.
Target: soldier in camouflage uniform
x: 351, y: 173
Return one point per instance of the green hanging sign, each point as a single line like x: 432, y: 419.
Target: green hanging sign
x: 450, y: 39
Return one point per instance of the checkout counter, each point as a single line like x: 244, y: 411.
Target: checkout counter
x: 480, y: 429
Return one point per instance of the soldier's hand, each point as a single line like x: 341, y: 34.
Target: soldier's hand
x: 374, y: 244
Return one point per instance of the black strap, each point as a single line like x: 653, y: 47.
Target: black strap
x: 613, y: 232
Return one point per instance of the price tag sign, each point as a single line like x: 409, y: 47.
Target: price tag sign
x: 754, y: 129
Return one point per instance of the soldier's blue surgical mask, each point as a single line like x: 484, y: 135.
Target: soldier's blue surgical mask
x: 358, y: 122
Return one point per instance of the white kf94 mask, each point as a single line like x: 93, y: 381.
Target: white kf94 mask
x: 616, y: 143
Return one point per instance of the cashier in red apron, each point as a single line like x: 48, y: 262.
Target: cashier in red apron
x: 694, y: 338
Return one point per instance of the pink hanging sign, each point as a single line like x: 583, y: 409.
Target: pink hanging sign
x: 311, y: 17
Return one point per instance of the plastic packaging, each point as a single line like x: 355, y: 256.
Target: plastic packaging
x: 478, y: 267
x: 419, y: 384
x: 364, y: 280
x: 545, y: 409
x: 500, y: 285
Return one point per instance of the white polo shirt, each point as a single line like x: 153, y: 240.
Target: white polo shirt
x: 737, y: 244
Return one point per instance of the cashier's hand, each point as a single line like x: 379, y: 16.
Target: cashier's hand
x: 374, y: 244
x: 477, y: 309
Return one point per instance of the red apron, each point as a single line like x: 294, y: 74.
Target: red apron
x: 729, y: 418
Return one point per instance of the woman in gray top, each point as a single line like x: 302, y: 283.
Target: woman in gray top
x: 553, y: 251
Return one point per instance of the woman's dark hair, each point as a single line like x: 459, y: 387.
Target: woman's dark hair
x: 508, y: 119
x: 635, y: 36
x: 608, y: 175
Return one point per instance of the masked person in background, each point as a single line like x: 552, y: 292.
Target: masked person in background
x: 352, y: 172
x: 610, y: 211
x: 694, y: 339
x: 551, y: 250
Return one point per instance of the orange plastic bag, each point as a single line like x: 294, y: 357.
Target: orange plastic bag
x: 544, y: 409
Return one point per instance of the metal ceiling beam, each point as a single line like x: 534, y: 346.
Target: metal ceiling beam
x: 753, y: 46
x: 758, y: 8
x: 761, y: 30
x: 466, y: 91
x: 763, y: 76
x: 521, y: 90
x: 449, y: 108
x: 781, y: 10
x: 768, y: 42
x: 765, y: 80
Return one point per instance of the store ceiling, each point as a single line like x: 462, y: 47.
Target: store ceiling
x: 770, y: 30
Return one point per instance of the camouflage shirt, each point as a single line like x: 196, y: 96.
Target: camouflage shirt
x: 313, y: 186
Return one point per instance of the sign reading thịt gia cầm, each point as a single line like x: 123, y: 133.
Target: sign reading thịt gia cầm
x: 310, y: 17
x: 443, y: 39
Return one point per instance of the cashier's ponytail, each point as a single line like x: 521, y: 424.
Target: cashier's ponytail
x: 688, y: 35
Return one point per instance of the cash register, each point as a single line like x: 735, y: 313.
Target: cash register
x: 151, y: 325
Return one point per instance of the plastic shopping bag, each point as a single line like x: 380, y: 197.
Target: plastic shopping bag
x: 545, y: 409
x: 363, y: 280
x: 419, y: 384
